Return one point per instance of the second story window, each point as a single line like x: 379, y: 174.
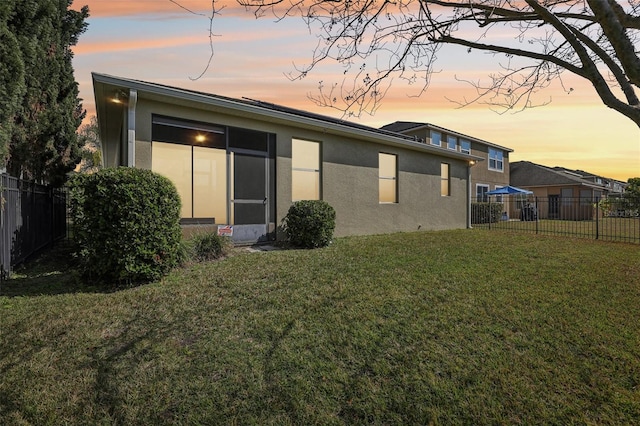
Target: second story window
x: 436, y: 138
x: 452, y: 142
x: 496, y: 160
x: 465, y: 146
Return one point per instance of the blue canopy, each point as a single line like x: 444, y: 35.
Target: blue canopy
x: 507, y: 190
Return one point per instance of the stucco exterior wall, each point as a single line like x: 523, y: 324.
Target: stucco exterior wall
x: 349, y: 173
x: 420, y: 205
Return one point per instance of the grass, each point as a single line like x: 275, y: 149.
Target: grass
x: 456, y: 327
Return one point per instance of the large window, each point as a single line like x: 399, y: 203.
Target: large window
x: 387, y: 178
x: 305, y: 170
x: 481, y: 193
x: 436, y: 138
x: 496, y: 161
x: 445, y: 180
x: 452, y: 142
x: 465, y: 146
x: 200, y: 176
x: 220, y: 172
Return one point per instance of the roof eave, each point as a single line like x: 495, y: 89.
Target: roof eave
x: 272, y: 115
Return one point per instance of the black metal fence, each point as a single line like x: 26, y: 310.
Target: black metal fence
x: 613, y: 219
x: 32, y: 216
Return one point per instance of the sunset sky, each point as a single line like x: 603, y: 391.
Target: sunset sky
x: 156, y: 41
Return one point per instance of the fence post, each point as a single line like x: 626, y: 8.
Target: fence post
x: 537, y: 215
x: 490, y: 213
x: 3, y: 244
x: 597, y: 218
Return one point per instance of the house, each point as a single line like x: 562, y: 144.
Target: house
x: 612, y: 186
x: 492, y: 173
x: 242, y: 162
x: 565, y: 194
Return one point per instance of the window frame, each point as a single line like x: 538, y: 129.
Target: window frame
x: 566, y: 200
x: 498, y: 163
x: 431, y: 134
x: 483, y: 198
x: 445, y: 178
x: 316, y: 171
x: 452, y: 139
x: 384, y: 178
x: 192, y: 204
x: 463, y: 150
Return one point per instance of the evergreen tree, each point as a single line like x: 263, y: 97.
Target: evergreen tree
x: 44, y: 145
x: 632, y: 192
x: 89, y: 135
x: 12, y: 83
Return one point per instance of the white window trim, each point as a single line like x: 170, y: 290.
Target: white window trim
x: 448, y: 179
x: 478, y: 185
x: 393, y: 178
x: 316, y: 171
x: 495, y: 169
x: 465, y: 151
x: 431, y: 138
x: 455, y: 146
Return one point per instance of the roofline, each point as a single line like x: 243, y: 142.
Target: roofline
x: 325, y: 123
x: 574, y: 180
x: 587, y: 184
x: 419, y: 126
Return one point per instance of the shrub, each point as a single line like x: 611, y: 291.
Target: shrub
x: 126, y: 224
x: 486, y: 212
x: 209, y: 246
x: 310, y: 223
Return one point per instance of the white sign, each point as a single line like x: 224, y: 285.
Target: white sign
x: 225, y: 231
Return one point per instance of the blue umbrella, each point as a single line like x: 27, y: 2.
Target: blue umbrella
x: 507, y: 190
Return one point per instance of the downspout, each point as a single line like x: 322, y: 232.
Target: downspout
x: 131, y: 128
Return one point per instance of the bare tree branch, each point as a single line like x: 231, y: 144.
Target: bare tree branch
x: 214, y: 12
x: 605, y: 12
x: 378, y: 42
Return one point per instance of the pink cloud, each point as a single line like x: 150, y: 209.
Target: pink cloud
x: 107, y: 8
x: 84, y: 48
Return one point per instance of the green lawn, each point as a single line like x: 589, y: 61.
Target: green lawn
x: 456, y: 327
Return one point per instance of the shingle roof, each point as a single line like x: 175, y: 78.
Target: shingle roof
x: 405, y: 126
x: 528, y: 174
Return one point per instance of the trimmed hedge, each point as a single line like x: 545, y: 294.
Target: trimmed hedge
x: 486, y: 212
x: 310, y: 223
x: 126, y: 224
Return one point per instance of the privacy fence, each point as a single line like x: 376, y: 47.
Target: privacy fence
x: 614, y: 219
x: 32, y: 216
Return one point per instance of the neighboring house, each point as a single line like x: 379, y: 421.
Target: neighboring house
x: 242, y: 162
x: 492, y: 173
x: 611, y: 186
x: 566, y: 194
